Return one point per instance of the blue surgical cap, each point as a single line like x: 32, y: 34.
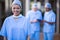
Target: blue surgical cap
x: 34, y: 5
x: 48, y: 5
x: 16, y: 2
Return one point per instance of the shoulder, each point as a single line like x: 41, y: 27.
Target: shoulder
x: 39, y: 11
x: 23, y: 17
x: 52, y: 13
x: 26, y: 19
x: 8, y: 18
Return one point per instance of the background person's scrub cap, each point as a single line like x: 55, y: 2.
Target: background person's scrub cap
x: 34, y: 5
x: 47, y: 5
x: 17, y: 2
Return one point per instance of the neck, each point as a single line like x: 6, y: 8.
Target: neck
x: 16, y: 15
x: 34, y: 10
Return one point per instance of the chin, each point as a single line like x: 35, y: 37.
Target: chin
x: 17, y: 15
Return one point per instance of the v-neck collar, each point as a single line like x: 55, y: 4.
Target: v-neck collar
x: 17, y: 16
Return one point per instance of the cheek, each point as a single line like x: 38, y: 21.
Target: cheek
x: 16, y: 10
x: 19, y: 10
x: 47, y: 9
x: 13, y: 10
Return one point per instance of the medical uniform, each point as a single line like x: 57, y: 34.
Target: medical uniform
x: 35, y: 27
x: 49, y: 29
x: 15, y: 28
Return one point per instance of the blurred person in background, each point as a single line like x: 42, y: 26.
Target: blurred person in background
x: 35, y: 17
x: 49, y: 22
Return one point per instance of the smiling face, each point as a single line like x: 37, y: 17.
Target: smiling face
x: 16, y: 10
x: 47, y: 9
x: 35, y: 9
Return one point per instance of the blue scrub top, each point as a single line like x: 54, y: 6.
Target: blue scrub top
x: 31, y: 15
x: 50, y: 17
x: 15, y: 29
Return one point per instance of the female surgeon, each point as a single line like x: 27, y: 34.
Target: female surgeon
x: 16, y: 27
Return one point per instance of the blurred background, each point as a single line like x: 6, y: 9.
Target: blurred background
x: 5, y: 11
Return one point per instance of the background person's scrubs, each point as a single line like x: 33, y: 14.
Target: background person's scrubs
x: 49, y: 29
x: 35, y: 27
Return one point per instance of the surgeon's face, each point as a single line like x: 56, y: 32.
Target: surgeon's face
x: 16, y: 10
x: 35, y: 9
x: 47, y: 9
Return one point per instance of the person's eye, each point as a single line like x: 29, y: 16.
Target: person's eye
x: 13, y: 8
x: 18, y: 8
